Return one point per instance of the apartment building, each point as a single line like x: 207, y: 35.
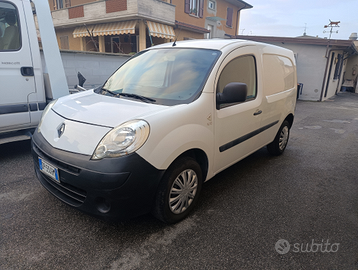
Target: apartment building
x: 129, y: 26
x: 207, y: 18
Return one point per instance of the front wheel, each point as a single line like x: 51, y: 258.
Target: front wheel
x: 178, y: 191
x: 279, y: 144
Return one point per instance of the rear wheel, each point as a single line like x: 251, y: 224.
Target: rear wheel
x: 278, y: 146
x: 178, y: 190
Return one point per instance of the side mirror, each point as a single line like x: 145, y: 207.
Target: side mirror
x: 233, y: 92
x: 81, y: 79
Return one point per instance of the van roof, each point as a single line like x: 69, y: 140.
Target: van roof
x: 217, y: 44
x: 226, y: 45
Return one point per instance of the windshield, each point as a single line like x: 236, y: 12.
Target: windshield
x: 167, y: 76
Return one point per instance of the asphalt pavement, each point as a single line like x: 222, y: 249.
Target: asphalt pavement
x: 295, y: 211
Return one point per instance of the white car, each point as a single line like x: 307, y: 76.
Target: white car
x: 169, y: 119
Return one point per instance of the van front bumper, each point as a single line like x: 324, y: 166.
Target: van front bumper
x: 111, y: 188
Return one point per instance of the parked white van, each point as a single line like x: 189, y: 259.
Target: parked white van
x: 169, y: 119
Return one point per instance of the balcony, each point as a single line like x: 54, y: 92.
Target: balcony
x: 115, y: 10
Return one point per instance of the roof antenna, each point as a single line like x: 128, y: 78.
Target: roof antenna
x: 175, y: 41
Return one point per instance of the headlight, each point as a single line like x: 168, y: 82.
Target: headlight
x: 46, y: 110
x: 123, y: 140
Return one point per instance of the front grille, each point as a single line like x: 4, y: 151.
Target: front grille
x: 65, y: 192
x: 56, y: 162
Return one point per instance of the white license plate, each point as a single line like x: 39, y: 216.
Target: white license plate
x: 49, y: 170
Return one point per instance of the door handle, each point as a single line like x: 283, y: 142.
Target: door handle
x: 27, y: 71
x: 257, y: 112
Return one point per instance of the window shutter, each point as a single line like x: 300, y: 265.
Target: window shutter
x: 229, y: 17
x: 187, y: 6
x: 64, y: 42
x: 201, y: 8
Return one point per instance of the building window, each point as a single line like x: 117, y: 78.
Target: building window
x: 67, y: 3
x: 115, y: 45
x: 58, y: 4
x: 194, y: 7
x: 230, y: 12
x: 211, y: 4
x: 64, y: 44
x: 125, y: 44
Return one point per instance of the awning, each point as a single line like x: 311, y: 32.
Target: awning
x: 106, y: 29
x: 192, y: 28
x: 81, y: 31
x: 115, y: 28
x: 161, y: 30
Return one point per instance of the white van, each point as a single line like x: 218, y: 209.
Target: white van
x: 169, y: 119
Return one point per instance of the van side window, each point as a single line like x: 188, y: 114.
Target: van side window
x: 9, y: 27
x: 243, y: 70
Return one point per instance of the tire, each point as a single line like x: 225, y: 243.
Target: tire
x: 278, y: 146
x: 178, y: 191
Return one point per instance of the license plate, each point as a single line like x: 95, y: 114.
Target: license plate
x: 49, y: 170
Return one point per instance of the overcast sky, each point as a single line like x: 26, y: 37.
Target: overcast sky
x: 288, y: 18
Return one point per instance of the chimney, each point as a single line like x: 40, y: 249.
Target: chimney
x: 353, y: 36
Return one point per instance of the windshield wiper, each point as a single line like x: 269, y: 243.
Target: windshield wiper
x: 143, y: 98
x: 109, y: 91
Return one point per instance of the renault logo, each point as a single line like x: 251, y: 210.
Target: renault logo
x: 61, y: 130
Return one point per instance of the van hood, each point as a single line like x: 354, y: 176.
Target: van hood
x: 91, y: 108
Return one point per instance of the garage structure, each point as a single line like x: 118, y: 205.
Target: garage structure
x: 321, y: 63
